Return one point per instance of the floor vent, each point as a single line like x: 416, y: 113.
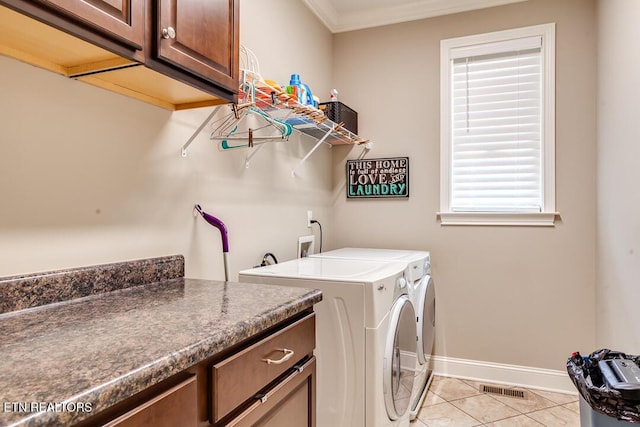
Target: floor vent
x: 502, y: 391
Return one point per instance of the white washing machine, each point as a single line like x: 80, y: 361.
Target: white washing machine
x: 422, y: 294
x: 361, y: 331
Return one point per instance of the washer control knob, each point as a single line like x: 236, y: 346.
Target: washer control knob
x: 401, y: 283
x: 381, y: 286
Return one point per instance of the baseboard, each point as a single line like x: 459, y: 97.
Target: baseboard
x: 525, y: 376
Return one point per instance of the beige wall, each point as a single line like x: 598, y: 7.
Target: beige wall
x: 91, y: 177
x: 618, y: 293
x: 510, y: 295
x: 88, y: 176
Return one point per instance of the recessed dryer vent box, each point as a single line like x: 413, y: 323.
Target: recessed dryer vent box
x: 306, y: 246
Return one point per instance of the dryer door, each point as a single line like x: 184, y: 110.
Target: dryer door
x: 398, y: 371
x: 426, y: 308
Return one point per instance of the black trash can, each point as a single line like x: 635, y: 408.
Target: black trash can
x: 609, y: 386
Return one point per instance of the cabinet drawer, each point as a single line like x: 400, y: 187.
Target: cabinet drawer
x: 291, y: 402
x: 241, y: 376
x: 175, y: 407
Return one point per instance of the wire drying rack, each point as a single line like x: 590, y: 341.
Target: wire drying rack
x: 266, y: 113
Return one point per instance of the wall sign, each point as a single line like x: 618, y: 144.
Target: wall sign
x: 378, y: 178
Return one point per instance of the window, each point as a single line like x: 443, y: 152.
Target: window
x: 497, y: 128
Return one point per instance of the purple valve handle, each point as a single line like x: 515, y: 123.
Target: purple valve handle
x: 212, y: 220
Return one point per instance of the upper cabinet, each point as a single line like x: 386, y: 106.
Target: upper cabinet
x: 175, y: 54
x: 201, y: 36
x: 123, y: 20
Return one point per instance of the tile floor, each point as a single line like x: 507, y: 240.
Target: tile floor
x: 459, y: 403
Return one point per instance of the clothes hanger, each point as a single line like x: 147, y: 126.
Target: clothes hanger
x: 229, y: 132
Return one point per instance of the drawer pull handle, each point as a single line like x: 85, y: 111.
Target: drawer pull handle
x: 288, y: 354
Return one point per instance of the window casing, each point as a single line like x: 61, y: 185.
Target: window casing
x: 497, y: 128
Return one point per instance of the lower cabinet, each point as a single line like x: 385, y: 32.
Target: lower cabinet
x: 290, y: 403
x: 246, y: 374
x: 175, y: 407
x: 269, y: 381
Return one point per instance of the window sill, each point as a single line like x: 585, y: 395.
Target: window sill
x: 537, y: 219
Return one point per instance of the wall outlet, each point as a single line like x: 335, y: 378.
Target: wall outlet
x: 309, y: 218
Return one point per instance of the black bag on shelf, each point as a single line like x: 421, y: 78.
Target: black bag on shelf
x: 337, y: 112
x: 597, y: 389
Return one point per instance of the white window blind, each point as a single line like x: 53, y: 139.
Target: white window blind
x: 496, y: 127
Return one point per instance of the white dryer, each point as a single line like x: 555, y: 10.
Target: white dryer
x: 361, y: 330
x: 422, y: 294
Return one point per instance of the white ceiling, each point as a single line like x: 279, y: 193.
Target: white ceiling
x: 347, y: 15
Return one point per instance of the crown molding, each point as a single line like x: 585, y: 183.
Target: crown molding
x: 393, y: 13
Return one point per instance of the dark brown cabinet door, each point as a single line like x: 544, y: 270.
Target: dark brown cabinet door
x: 201, y: 36
x: 122, y: 20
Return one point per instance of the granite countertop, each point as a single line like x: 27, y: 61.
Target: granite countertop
x: 100, y: 349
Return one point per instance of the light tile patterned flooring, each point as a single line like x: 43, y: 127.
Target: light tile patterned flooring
x: 459, y: 403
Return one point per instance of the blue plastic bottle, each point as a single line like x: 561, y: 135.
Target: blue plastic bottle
x: 308, y: 96
x: 300, y: 90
